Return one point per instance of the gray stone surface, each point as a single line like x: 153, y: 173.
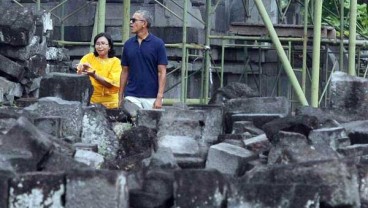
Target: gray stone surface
x: 10, y: 88
x: 39, y: 189
x: 11, y: 68
x: 97, y: 130
x: 96, y: 189
x: 207, y: 189
x: 337, y: 181
x: 92, y: 159
x: 336, y: 137
x: 16, y: 25
x: 71, y: 87
x: 51, y: 125
x: 229, y: 159
x: 349, y: 95
x: 180, y: 145
x: 25, y: 52
x: 53, y: 106
x: 24, y: 136
x: 295, y: 148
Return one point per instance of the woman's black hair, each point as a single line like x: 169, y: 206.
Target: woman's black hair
x: 111, y: 52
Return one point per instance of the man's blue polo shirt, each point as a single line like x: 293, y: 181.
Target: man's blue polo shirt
x: 142, y: 61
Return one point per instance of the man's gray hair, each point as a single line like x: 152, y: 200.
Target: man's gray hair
x: 146, y: 16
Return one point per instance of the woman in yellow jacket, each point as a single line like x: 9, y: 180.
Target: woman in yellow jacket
x: 104, y: 70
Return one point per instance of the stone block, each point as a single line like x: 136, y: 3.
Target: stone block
x: 50, y: 124
x: 17, y: 25
x: 200, y: 188
x: 274, y: 195
x: 23, y: 53
x: 92, y: 159
x: 96, y: 129
x: 10, y: 88
x: 180, y: 145
x: 11, y: 69
x: 258, y: 119
x: 349, y: 95
x: 26, y: 137
x: 229, y: 159
x: 149, y: 118
x: 37, y: 189
x: 336, y: 137
x: 258, y: 144
x: 70, y: 87
x: 4, y: 188
x: 96, y: 189
x: 86, y: 146
x: 53, y: 106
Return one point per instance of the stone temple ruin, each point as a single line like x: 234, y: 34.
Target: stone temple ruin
x: 241, y: 150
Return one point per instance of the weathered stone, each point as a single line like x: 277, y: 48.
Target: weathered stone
x: 235, y: 139
x: 50, y: 124
x: 163, y: 158
x: 295, y: 148
x: 10, y: 68
x: 231, y: 91
x: 59, y: 162
x: 17, y: 25
x: 69, y: 87
x: 240, y: 127
x: 191, y: 162
x: 181, y: 123
x: 213, y: 122
x: 336, y: 137
x: 36, y: 66
x: 37, y: 189
x: 298, y: 124
x: 180, y: 145
x: 357, y: 131
x: 356, y: 150
x: 86, y: 146
x: 149, y: 118
x: 24, y: 53
x: 259, y: 120
x: 250, y: 195
x: 53, y: 106
x: 158, y: 186
x: 363, y: 183
x: 17, y: 161
x: 96, y: 189
x: 97, y: 130
x: 349, y: 95
x: 337, y: 181
x: 57, y: 54
x: 10, y: 88
x: 137, y: 140
x: 4, y: 188
x: 92, y: 159
x: 207, y: 188
x: 258, y: 144
x: 25, y: 136
x: 259, y: 105
x: 229, y: 159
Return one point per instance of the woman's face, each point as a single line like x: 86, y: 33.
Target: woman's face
x: 102, y: 47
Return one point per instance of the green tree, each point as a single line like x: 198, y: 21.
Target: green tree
x: 331, y: 16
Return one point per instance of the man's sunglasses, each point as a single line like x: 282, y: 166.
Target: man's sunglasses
x: 133, y: 20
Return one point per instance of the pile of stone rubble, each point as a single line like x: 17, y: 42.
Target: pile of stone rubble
x: 242, y: 152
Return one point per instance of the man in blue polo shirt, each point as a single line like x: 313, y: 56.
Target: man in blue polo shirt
x: 144, y: 63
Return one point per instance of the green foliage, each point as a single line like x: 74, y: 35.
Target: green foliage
x: 331, y: 16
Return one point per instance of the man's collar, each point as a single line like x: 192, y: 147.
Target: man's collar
x: 148, y: 38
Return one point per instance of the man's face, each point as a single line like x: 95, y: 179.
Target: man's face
x: 137, y: 23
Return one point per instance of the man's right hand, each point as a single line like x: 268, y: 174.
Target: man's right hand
x: 121, y: 101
